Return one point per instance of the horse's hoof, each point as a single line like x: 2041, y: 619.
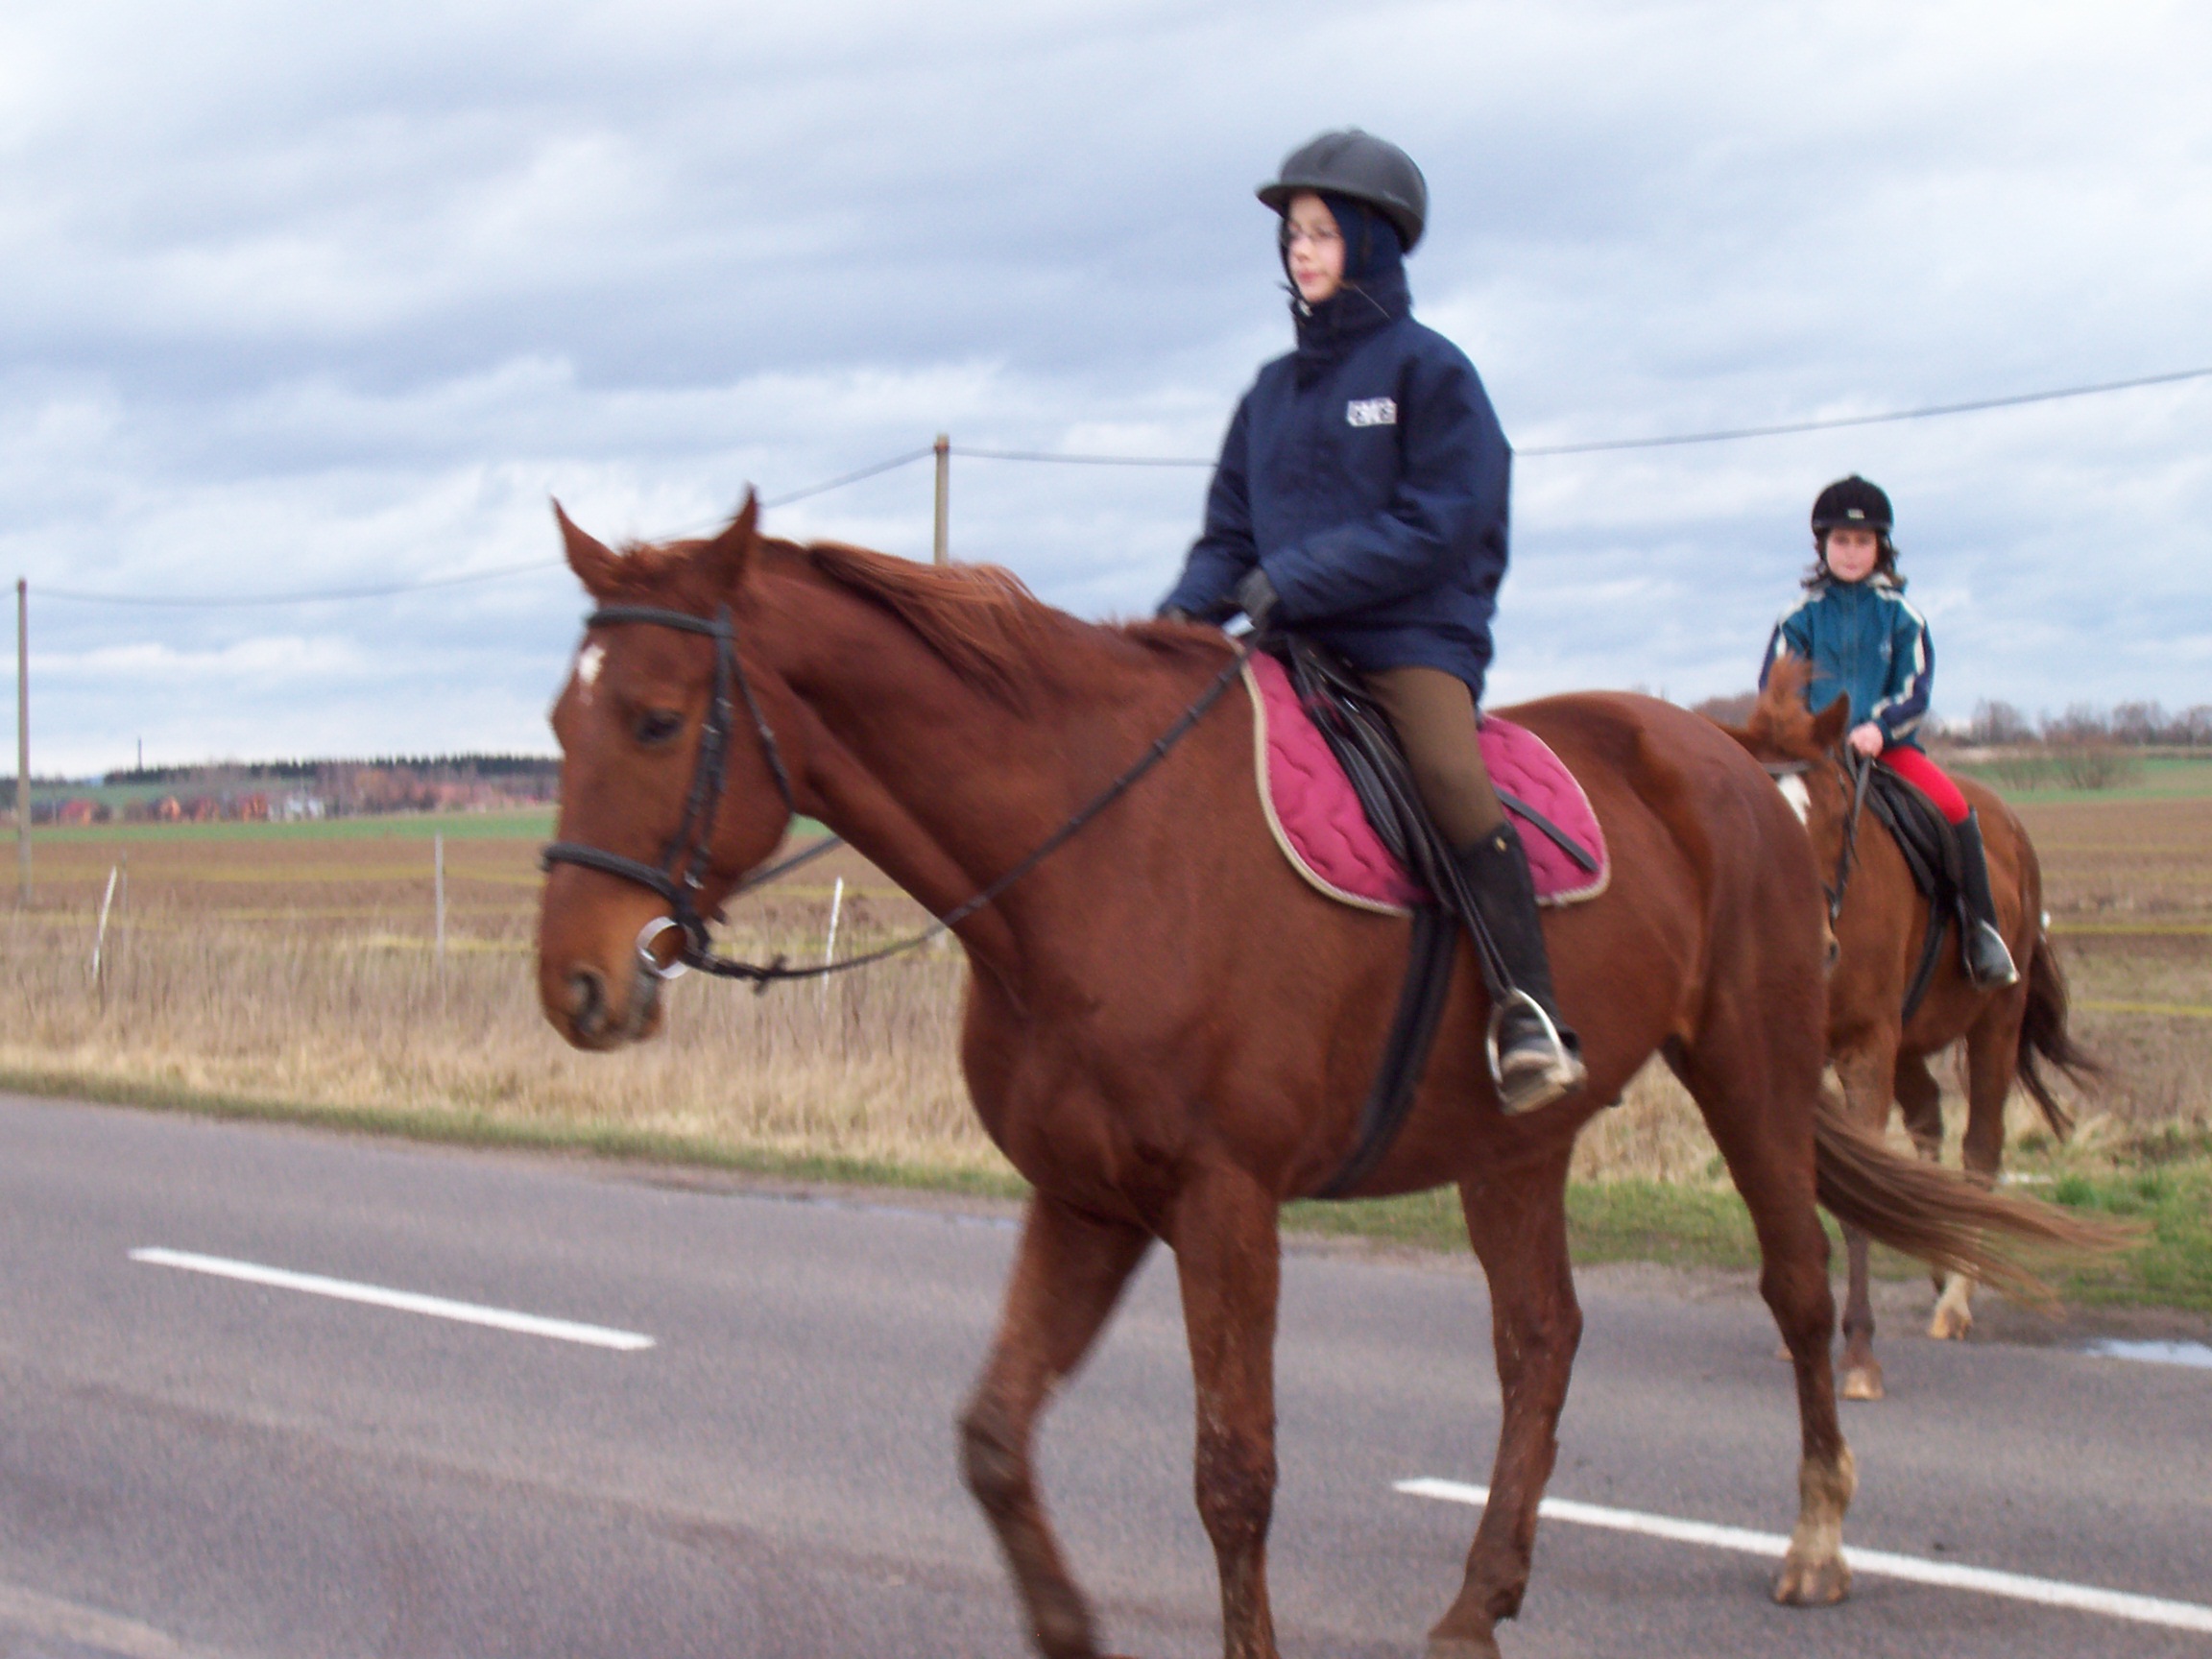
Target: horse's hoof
x: 1863, y: 1381
x: 1462, y: 1648
x: 1812, y: 1583
x: 1950, y: 1325
x: 1954, y: 1314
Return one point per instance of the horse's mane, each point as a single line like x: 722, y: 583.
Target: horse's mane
x: 980, y: 620
x: 1780, y: 724
x: 985, y: 624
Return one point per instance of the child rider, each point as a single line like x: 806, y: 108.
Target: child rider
x: 1360, y: 500
x: 1863, y: 640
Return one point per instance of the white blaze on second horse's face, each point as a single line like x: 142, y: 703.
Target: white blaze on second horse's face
x: 1801, y: 798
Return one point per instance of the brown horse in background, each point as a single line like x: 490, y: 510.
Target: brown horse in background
x: 1878, y: 1054
x: 1169, y: 1034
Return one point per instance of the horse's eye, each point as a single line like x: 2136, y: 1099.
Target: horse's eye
x: 658, y: 725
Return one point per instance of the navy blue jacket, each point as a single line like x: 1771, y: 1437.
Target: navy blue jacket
x: 1367, y: 473
x: 1863, y: 640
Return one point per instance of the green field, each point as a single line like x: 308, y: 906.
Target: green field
x: 2158, y: 778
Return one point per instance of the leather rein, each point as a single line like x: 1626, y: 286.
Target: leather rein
x: 681, y: 875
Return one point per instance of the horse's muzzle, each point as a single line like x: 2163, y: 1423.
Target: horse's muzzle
x: 599, y: 1016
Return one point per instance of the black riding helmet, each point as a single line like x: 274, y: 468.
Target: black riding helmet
x: 1852, y: 503
x: 1363, y: 167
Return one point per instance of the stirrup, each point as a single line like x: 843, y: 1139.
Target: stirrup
x: 1984, y: 933
x: 1532, y: 1089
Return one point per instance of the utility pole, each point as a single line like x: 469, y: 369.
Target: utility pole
x: 23, y: 736
x: 941, y: 547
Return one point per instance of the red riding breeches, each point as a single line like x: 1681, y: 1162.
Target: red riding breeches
x: 1925, y: 776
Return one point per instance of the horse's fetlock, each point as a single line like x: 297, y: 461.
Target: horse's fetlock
x: 1236, y: 1487
x: 992, y: 1458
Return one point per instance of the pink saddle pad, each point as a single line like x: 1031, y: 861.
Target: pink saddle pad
x: 1318, y: 823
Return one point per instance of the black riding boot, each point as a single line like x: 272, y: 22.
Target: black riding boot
x: 1533, y: 1056
x: 1988, y: 964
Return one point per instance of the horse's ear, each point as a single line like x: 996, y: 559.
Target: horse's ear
x: 594, y: 562
x: 1828, y: 725
x: 726, y: 558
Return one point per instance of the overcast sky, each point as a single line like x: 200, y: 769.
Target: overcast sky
x: 298, y: 298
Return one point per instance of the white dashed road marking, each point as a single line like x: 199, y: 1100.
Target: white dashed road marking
x: 405, y: 1301
x: 1877, y: 1563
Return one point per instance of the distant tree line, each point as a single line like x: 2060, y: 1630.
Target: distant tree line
x: 1997, y: 725
x: 2134, y: 725
x: 442, y: 768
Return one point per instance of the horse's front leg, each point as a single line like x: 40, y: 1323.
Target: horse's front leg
x: 1067, y: 1276
x: 1518, y: 1225
x: 1228, y: 1258
x: 1868, y: 1072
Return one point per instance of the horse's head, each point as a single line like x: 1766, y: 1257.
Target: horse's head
x: 666, y: 658
x: 1791, y: 741
x: 1781, y: 730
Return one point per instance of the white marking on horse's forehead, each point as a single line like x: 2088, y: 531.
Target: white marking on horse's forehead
x: 1801, y: 798
x: 586, y: 673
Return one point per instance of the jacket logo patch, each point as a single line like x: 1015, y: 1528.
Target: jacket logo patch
x: 1372, y: 412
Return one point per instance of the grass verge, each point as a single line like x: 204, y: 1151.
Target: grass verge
x: 1670, y: 1223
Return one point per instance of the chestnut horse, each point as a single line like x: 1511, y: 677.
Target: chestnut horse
x: 1169, y: 1034
x: 1880, y: 931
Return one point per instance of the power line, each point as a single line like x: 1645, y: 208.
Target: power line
x: 838, y: 483
x: 1670, y: 439
x: 1893, y: 414
x: 962, y: 450
x: 1052, y: 457
x: 199, y: 601
x: 386, y: 590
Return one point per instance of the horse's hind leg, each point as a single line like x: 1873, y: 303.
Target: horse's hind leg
x: 1228, y: 1258
x: 1759, y: 1107
x: 1992, y: 1051
x: 1518, y: 1225
x: 1868, y: 1072
x: 1067, y: 1276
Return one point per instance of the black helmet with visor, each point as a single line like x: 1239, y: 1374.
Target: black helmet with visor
x: 1357, y: 164
x: 1852, y: 503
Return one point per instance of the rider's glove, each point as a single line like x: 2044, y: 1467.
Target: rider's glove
x: 1257, y: 598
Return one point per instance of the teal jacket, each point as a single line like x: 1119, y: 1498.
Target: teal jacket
x: 1864, y: 641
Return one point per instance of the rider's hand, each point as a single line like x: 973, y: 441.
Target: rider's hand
x: 1256, y: 597
x: 1869, y: 739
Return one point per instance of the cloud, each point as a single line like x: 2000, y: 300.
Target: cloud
x: 340, y: 298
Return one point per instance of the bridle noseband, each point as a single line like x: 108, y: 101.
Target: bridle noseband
x: 681, y: 876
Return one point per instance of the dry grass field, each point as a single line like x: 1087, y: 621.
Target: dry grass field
x: 289, y: 970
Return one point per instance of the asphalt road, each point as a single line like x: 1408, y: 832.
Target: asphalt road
x: 194, y: 1466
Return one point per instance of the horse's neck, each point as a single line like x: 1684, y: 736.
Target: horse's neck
x: 936, y: 782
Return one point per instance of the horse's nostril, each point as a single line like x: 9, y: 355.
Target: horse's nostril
x: 587, y: 1001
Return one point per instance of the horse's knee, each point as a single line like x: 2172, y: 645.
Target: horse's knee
x: 992, y: 1456
x: 1236, y: 1487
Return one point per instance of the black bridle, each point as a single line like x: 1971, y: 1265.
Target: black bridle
x: 681, y: 876
x: 1855, y: 770
x: 682, y: 873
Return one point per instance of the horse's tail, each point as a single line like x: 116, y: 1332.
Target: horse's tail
x: 2044, y: 1037
x: 1937, y: 1215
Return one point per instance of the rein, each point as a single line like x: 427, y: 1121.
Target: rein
x: 1857, y: 769
x: 681, y: 875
